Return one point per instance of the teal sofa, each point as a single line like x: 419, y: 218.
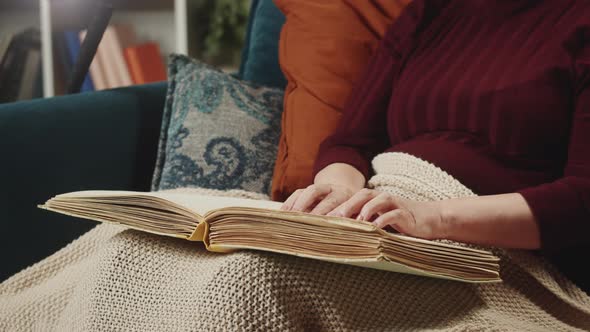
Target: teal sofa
x: 101, y: 140
x: 98, y: 140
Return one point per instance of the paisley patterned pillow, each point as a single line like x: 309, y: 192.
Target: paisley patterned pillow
x: 217, y: 131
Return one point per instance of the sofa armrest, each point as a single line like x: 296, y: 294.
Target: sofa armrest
x: 98, y: 140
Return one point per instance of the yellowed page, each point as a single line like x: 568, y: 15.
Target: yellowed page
x: 342, y: 241
x: 300, y: 217
x: 373, y: 263
x: 198, y: 204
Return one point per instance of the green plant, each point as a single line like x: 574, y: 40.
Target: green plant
x: 223, y: 28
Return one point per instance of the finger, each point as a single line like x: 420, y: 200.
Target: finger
x: 329, y: 203
x: 288, y: 204
x: 354, y: 204
x: 378, y: 205
x: 398, y: 219
x: 309, y: 196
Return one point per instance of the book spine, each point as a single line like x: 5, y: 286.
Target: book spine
x: 108, y: 62
x: 72, y: 42
x: 62, y: 62
x: 132, y: 59
x: 32, y: 63
x: 145, y: 63
x: 115, y: 41
x: 96, y: 67
x: 38, y: 84
x: 12, y: 70
x: 4, y: 43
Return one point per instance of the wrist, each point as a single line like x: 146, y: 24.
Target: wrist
x: 447, y: 220
x: 341, y: 175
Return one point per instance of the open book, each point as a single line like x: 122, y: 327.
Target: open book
x: 225, y: 224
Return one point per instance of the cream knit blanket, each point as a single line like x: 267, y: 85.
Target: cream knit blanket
x: 112, y: 279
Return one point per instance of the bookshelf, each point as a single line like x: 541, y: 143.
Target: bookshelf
x: 163, y: 21
x: 148, y: 17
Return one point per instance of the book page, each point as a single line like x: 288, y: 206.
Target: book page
x: 198, y: 204
x: 202, y: 204
x: 342, y: 240
x: 378, y: 263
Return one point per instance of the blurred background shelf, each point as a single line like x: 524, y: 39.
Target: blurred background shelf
x: 176, y: 26
x: 121, y: 4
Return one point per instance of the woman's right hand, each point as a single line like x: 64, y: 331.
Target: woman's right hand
x: 319, y: 198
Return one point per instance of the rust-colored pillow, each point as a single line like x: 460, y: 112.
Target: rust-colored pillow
x: 323, y: 48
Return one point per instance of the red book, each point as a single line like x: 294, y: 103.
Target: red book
x: 145, y: 64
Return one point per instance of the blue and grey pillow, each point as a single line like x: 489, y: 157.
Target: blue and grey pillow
x: 217, y: 132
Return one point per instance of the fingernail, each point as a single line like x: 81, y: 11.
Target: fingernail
x: 360, y: 217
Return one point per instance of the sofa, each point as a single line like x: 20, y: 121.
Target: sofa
x: 98, y: 140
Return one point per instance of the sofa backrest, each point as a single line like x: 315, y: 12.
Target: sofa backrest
x: 260, y: 56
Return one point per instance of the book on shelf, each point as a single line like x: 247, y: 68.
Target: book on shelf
x: 20, y: 66
x: 38, y: 82
x: 120, y: 61
x: 225, y: 224
x: 72, y: 49
x: 145, y: 63
x: 96, y: 69
x: 4, y: 44
x: 115, y: 39
x: 10, y: 69
x: 63, y: 66
x: 32, y: 66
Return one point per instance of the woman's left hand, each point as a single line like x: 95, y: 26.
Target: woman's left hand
x: 418, y: 219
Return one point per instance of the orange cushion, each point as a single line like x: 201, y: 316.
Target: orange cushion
x: 324, y: 46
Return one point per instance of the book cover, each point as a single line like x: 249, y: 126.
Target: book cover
x: 11, y: 72
x: 38, y: 83
x: 116, y: 38
x: 61, y: 63
x: 145, y: 63
x: 225, y: 224
x: 30, y: 70
x: 4, y: 43
x: 14, y: 62
x: 96, y: 68
x: 72, y: 44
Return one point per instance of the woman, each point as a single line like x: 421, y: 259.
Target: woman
x: 496, y: 93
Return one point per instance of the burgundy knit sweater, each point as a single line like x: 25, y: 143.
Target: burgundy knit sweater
x: 496, y: 93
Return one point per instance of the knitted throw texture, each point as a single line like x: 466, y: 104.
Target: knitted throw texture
x: 113, y: 279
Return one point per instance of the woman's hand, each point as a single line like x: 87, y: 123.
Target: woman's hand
x: 333, y: 185
x: 318, y: 198
x: 504, y: 220
x: 418, y: 219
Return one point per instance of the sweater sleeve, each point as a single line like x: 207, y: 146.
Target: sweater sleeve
x: 362, y: 130
x: 562, y: 208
